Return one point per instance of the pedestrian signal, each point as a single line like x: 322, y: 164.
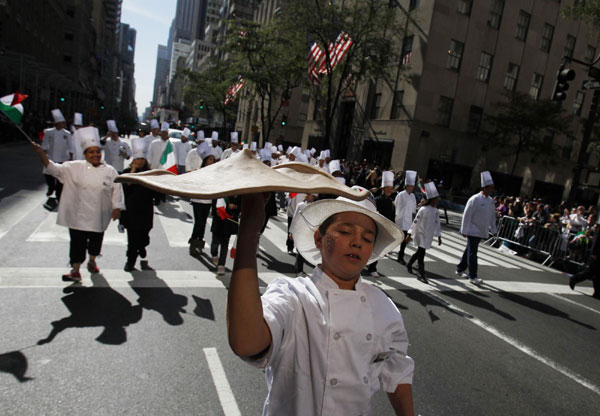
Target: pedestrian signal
x: 561, y: 86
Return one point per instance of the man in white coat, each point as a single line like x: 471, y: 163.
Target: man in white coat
x: 58, y: 145
x: 406, y: 207
x: 479, y: 219
x: 235, y: 146
x: 182, y: 148
x: 115, y: 149
x: 157, y: 147
x: 217, y: 150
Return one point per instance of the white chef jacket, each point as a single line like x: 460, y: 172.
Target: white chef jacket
x: 479, y: 217
x: 426, y: 226
x: 218, y: 152
x: 89, y: 195
x: 113, y: 153
x: 331, y: 349
x: 155, y: 151
x: 57, y: 144
x: 149, y: 139
x: 181, y: 150
x: 406, y: 206
x: 292, y: 203
x: 227, y: 153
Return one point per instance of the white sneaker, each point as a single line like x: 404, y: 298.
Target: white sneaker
x: 301, y: 274
x: 476, y: 281
x: 374, y: 274
x: 461, y: 274
x: 221, y: 270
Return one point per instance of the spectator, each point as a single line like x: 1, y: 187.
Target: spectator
x: 577, y: 221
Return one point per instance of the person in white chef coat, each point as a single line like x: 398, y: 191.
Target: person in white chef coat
x: 91, y: 198
x: 182, y: 148
x: 157, y: 147
x: 58, y: 145
x: 116, y: 151
x: 234, y: 148
x: 406, y: 207
x: 326, y: 342
x: 424, y: 228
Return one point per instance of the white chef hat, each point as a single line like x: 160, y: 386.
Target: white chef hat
x: 253, y: 146
x: 214, y: 135
x: 154, y: 124
x: 313, y: 151
x: 199, y: 135
x: 265, y: 155
x: 57, y: 115
x: 486, y: 179
x: 280, y: 148
x: 431, y: 191
x: 387, y: 178
x: 245, y: 146
x: 296, y: 151
x: 327, y: 153
x: 288, y: 150
x: 89, y: 137
x: 334, y: 166
x: 112, y: 126
x: 302, y: 158
x: 307, y: 153
x: 186, y: 132
x: 233, y: 137
x: 204, y: 150
x: 164, y: 126
x: 411, y: 178
x: 322, y: 155
x: 268, y: 145
x: 137, y: 149
x: 78, y: 119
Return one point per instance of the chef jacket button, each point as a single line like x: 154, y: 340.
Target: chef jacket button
x: 336, y: 336
x: 365, y: 379
x: 369, y: 336
x: 333, y: 381
x: 363, y: 299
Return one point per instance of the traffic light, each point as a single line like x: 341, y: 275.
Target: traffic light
x: 201, y: 104
x: 562, y: 76
x: 283, y: 121
x: 62, y: 99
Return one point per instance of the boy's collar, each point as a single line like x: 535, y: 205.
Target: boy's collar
x: 327, y: 282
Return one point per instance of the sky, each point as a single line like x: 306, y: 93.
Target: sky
x: 151, y: 19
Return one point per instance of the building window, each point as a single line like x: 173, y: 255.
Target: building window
x: 375, y: 107
x: 455, y: 55
x: 523, y: 25
x: 590, y: 53
x: 485, y: 66
x: 397, y: 105
x: 547, y: 37
x: 578, y: 103
x: 464, y: 7
x: 495, y: 13
x: 413, y: 4
x: 445, y: 111
x: 570, y: 46
x: 536, y: 86
x: 475, y: 117
x: 510, y: 81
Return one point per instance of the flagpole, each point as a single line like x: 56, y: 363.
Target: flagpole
x: 19, y: 128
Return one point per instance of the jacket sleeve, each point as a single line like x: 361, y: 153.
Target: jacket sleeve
x: 437, y: 232
x: 466, y: 219
x: 59, y: 170
x: 118, y: 198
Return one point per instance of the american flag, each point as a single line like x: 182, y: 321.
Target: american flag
x: 337, y: 51
x: 406, y: 58
x: 315, y: 60
x: 233, y: 90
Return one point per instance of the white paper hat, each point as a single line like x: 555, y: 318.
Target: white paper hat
x: 214, y: 135
x: 164, y: 126
x: 57, y: 115
x: 387, y: 178
x: 302, y: 158
x: 296, y: 151
x: 307, y: 154
x: 204, y: 150
x: 112, y: 126
x: 154, y: 124
x: 303, y: 227
x: 186, y: 132
x: 431, y: 191
x: 89, y: 137
x: 313, y: 150
x: 233, y: 137
x: 280, y: 148
x: 265, y: 155
x: 334, y: 166
x: 245, y: 146
x: 199, y: 135
x: 322, y: 155
x: 253, y: 146
x: 327, y: 153
x: 137, y: 149
x: 486, y: 179
x: 288, y: 150
x: 411, y: 177
x: 268, y: 145
x: 78, y: 119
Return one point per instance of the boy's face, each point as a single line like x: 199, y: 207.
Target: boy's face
x: 346, y: 247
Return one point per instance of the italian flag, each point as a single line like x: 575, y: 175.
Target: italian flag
x: 12, y: 107
x: 167, y: 159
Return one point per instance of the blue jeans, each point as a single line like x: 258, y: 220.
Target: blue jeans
x: 469, y: 258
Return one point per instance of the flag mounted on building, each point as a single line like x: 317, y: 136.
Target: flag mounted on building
x: 167, y: 159
x: 315, y: 58
x: 234, y: 90
x: 12, y: 107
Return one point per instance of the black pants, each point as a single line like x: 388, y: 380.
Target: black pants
x: 289, y: 242
x: 54, y: 186
x: 372, y: 267
x: 402, y: 247
x: 419, y: 257
x: 299, y: 264
x: 137, y: 241
x: 82, y: 241
x: 201, y: 212
x: 219, y: 246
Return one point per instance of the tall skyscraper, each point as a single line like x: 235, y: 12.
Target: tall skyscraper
x: 162, y: 70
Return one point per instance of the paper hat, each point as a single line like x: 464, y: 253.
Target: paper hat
x: 431, y: 191
x: 265, y: 155
x: 200, y: 135
x: 89, y: 137
x: 313, y: 150
x: 288, y: 150
x: 214, y: 135
x: 137, y: 149
x: 411, y: 178
x: 280, y: 148
x: 307, y: 154
x: 253, y: 146
x: 186, y: 132
x: 327, y: 153
x: 245, y: 146
x: 154, y: 124
x: 486, y: 179
x: 57, y: 116
x: 268, y: 145
x: 302, y: 158
x: 204, y: 150
x: 233, y: 136
x: 112, y: 126
x: 387, y: 178
x: 164, y: 126
x: 78, y: 119
x: 334, y: 166
x: 322, y: 155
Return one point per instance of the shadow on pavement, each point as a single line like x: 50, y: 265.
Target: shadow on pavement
x: 155, y: 294
x: 172, y: 210
x: 15, y: 363
x: 272, y: 263
x: 203, y: 308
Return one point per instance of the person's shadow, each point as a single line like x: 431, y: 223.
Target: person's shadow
x: 99, y: 305
x: 155, y: 294
x: 15, y: 363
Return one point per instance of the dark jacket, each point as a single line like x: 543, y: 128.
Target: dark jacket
x: 139, y: 205
x: 385, y: 206
x: 230, y: 225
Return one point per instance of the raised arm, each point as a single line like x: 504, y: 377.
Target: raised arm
x: 247, y: 330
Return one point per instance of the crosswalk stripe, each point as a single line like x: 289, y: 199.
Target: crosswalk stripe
x: 176, y: 223
x: 458, y: 254
x: 226, y: 397
x: 481, y: 255
x: 16, y: 207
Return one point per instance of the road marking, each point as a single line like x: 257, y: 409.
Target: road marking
x: 573, y: 302
x: 228, y: 403
x: 16, y: 207
x: 482, y: 254
x: 176, y: 223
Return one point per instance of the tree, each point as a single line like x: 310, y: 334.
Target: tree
x: 521, y: 124
x: 586, y: 10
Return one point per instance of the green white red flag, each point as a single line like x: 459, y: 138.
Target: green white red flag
x: 167, y: 159
x: 12, y: 107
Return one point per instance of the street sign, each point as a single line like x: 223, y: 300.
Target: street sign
x: 590, y: 84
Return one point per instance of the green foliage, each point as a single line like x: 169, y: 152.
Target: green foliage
x: 586, y: 10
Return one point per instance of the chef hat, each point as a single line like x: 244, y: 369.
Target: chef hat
x: 280, y: 148
x: 233, y: 136
x: 112, y: 126
x: 265, y: 155
x: 204, y: 150
x: 288, y: 150
x: 137, y: 149
x: 253, y: 146
x: 486, y: 179
x: 411, y: 177
x: 57, y: 116
x: 302, y: 158
x: 322, y: 155
x: 154, y: 124
x: 186, y: 132
x: 327, y: 153
x: 307, y: 154
x: 268, y: 145
x: 78, y: 119
x: 387, y: 178
x: 245, y: 146
x: 296, y: 151
x: 89, y: 137
x: 214, y: 135
x: 165, y: 126
x: 334, y: 166
x: 431, y: 191
x: 313, y: 151
x: 200, y: 135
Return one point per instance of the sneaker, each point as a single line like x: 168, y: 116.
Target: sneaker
x: 92, y: 267
x: 401, y: 261
x: 71, y: 277
x: 423, y: 279
x: 144, y: 265
x: 409, y: 268
x: 476, y: 281
x: 221, y: 270
x: 129, y: 266
x: 374, y: 274
x: 461, y: 274
x: 215, y: 261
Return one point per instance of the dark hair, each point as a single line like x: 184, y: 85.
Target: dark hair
x: 325, y: 224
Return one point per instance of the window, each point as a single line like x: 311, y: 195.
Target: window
x: 69, y: 36
x: 590, y: 53
x: 475, y: 116
x: 464, y: 7
x: 536, y: 86
x: 375, y: 107
x: 445, y: 111
x: 407, y: 49
x: 397, y: 105
x: 547, y: 37
x: 495, y: 13
x: 570, y: 46
x: 413, y: 4
x: 578, y: 103
x: 510, y: 81
x: 455, y: 55
x: 523, y: 25
x: 485, y: 67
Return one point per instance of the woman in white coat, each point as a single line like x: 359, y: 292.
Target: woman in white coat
x: 89, y: 200
x: 425, y: 226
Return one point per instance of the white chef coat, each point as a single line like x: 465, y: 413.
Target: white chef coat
x: 114, y: 151
x: 426, y: 226
x: 155, y: 151
x: 406, y: 206
x: 57, y: 144
x: 331, y: 349
x: 292, y: 203
x: 89, y: 194
x: 181, y: 150
x: 479, y: 217
x: 218, y: 152
x: 227, y: 153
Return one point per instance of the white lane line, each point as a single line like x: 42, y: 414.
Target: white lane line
x: 16, y: 207
x: 228, y: 403
x: 458, y: 253
x: 175, y: 223
x: 480, y: 255
x: 574, y: 303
